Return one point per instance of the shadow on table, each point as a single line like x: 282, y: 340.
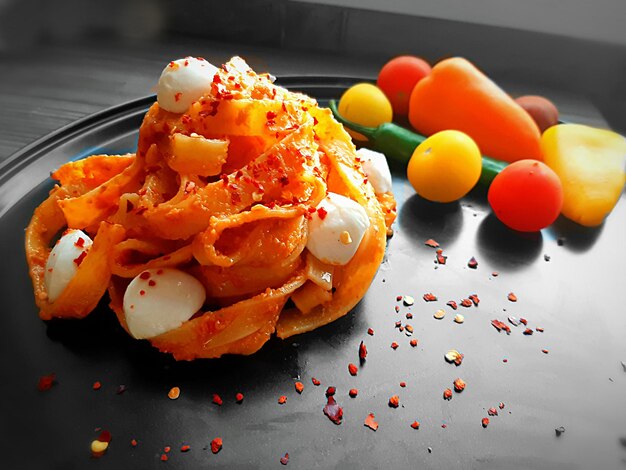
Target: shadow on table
x: 422, y: 219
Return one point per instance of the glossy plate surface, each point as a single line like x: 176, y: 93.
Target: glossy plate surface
x: 568, y: 280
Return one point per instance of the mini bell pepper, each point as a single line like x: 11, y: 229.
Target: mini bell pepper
x: 590, y: 163
x: 456, y: 95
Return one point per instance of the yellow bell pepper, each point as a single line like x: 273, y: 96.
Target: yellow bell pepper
x: 591, y: 165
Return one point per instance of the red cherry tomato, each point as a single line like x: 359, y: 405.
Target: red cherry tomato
x: 526, y: 195
x: 397, y: 79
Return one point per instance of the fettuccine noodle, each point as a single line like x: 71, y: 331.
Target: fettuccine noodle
x: 223, y: 192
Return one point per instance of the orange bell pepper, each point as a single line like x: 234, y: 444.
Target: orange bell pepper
x: 456, y: 95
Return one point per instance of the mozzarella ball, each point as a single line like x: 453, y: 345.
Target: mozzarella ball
x: 160, y: 300
x: 376, y: 168
x: 184, y: 81
x: 64, y: 260
x: 336, y: 229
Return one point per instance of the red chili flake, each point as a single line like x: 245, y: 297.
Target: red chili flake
x: 447, y: 394
x: 216, y: 445
x: 539, y: 329
x: 370, y: 331
x: 492, y: 412
x: 239, y: 397
x: 441, y: 259
x: 485, y: 422
x: 167, y: 449
x: 409, y: 315
x: 133, y: 442
x: 80, y: 242
x: 353, y: 369
x: 397, y: 309
x: 96, y: 385
x: 315, y: 381
x: 105, y: 436
x: 142, y: 292
x: 370, y: 422
x: 270, y: 115
x: 333, y: 410
x: 505, y: 360
x: 528, y: 332
x: 362, y: 351
x: 402, y: 384
x: 398, y: 298
x: 413, y: 342
x: 466, y: 303
x: 512, y: 297
x: 394, y: 401
x: 459, y: 385
x: 282, y: 400
x: 474, y: 298
x: 408, y: 328
x: 185, y: 448
x: 322, y: 213
x: 524, y: 321
x: 144, y: 275
x: 501, y: 406
x: 151, y: 283
x: 444, y: 425
x: 472, y: 263
x: 217, y: 399
x: 353, y: 392
x: 429, y: 297
x: 284, y: 460
x: 398, y: 324
x: 545, y: 351
x: 495, y: 274
x: 498, y: 325
x: 452, y: 304
x: 177, y: 96
x: 80, y: 258
x: 431, y: 243
x: 164, y: 457
x: 121, y: 389
x: 299, y: 387
x: 415, y: 425
x: 330, y: 391
x: 394, y: 345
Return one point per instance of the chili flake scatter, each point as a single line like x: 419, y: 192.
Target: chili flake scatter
x: 512, y: 297
x: 282, y: 400
x: 430, y: 297
x: 408, y: 300
x: 485, y: 422
x: 394, y: 401
x: 413, y: 342
x: 217, y: 399
x: 239, y: 397
x: 459, y: 385
x: 315, y: 381
x: 472, y: 263
x: 299, y: 386
x: 353, y: 369
x: 333, y: 410
x: 353, y: 392
x: 362, y: 351
x: 370, y: 422
x: 174, y: 393
x: 415, y: 425
x: 216, y: 445
x: 96, y: 385
x: 439, y: 314
x: 46, y: 382
x: 284, y: 460
x: 394, y: 345
x: 431, y: 243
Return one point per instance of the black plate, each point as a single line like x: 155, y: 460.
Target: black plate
x: 576, y: 295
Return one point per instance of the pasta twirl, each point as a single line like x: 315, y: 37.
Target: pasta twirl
x: 223, y: 193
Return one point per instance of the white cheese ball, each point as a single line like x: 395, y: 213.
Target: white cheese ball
x: 336, y: 229
x: 64, y: 260
x: 376, y: 168
x: 160, y: 300
x: 184, y: 81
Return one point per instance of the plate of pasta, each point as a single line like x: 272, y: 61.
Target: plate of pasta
x: 244, y: 212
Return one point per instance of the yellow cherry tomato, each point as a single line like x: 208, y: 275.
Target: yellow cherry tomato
x: 365, y: 104
x: 445, y: 167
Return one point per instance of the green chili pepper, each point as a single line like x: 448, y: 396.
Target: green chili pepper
x: 399, y: 143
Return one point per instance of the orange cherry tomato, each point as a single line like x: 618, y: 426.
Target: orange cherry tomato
x: 526, y: 196
x: 397, y: 79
